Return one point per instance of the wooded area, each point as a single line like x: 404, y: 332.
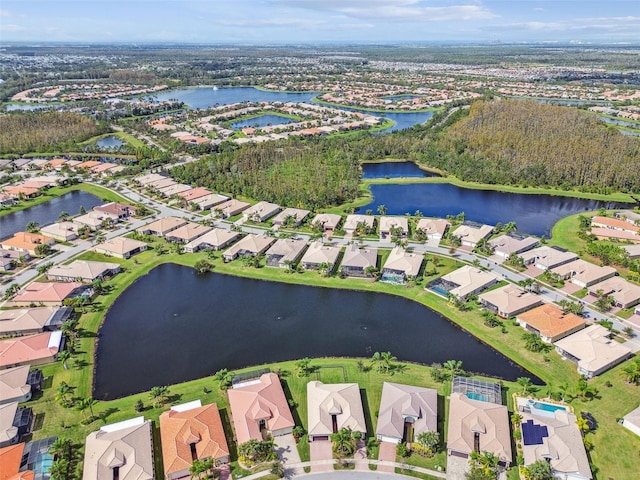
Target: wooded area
x: 534, y: 144
x: 301, y: 174
x: 43, y: 131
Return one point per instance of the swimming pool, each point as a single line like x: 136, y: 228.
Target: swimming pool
x: 43, y: 463
x: 477, y: 396
x: 547, y: 407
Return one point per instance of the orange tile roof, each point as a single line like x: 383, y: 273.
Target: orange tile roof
x: 26, y: 241
x: 21, y: 350
x: 615, y: 223
x: 194, y: 193
x: 56, y: 162
x: 550, y: 321
x: 200, y: 425
x: 47, y: 292
x: 10, y: 458
x: 19, y: 189
x: 88, y: 164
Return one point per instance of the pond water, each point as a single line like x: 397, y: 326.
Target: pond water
x: 110, y: 142
x: 48, y: 212
x: 394, y: 170
x: 262, y: 121
x: 172, y: 326
x: 206, y: 97
x: 533, y: 214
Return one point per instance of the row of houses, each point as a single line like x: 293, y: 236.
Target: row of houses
x: 625, y: 227
x: 59, y: 164
x: 17, y: 385
x: 202, y: 198
x: 591, y: 349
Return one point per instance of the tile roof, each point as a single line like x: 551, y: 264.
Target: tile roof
x: 401, y: 401
x: 47, y: 292
x: 550, y: 320
x: 31, y: 348
x: 340, y: 399
x: 13, y: 383
x: 180, y: 428
x: 259, y: 400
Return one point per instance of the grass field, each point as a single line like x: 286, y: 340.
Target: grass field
x: 611, y: 403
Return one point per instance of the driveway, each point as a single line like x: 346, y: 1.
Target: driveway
x: 387, y: 453
x: 321, y: 450
x: 287, y: 452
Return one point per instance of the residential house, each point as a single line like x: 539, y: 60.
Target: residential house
x: 318, y: 254
x: 33, y: 350
x: 209, y: 201
x: 331, y: 407
x: 26, y: 242
x: 295, y: 217
x: 194, y: 194
x: 83, y: 270
x: 328, y: 222
x: 88, y: 165
x: 509, y: 300
x: 187, y: 233
x: 631, y: 421
x: 120, y: 451
x: 175, y: 189
x: 147, y: 179
x: 216, y: 239
x: 393, y: 227
x: 61, y: 231
x: 633, y: 251
x: 625, y: 294
x: 433, y: 228
x: 615, y: 224
x: 550, y: 322
x: 464, y: 281
x: 285, y: 252
x: 11, y: 460
x: 258, y: 407
x: 592, y: 350
x: 17, y: 385
x: 188, y: 432
x: 629, y: 216
x: 6, y: 200
x: 546, y: 258
x: 251, y: 245
x: 16, y: 322
x: 18, y: 191
x: 9, y: 259
x: 120, y: 247
x: 115, y: 210
x: 160, y: 184
x: 163, y: 226
x: 555, y: 437
x: 358, y: 262
x: 14, y: 423
x: 615, y: 234
x: 401, y: 265
x: 95, y: 220
x: 261, y: 212
x: 470, y: 233
x: 405, y: 412
x: 229, y: 208
x: 50, y: 293
x: 103, y: 169
x: 506, y: 245
x: 478, y: 426
x: 353, y: 221
x: 584, y: 274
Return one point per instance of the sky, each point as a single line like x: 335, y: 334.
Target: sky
x: 263, y: 22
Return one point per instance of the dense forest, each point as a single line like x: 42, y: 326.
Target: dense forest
x: 41, y: 132
x: 295, y: 173
x: 529, y: 143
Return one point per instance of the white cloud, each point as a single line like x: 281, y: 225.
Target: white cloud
x: 11, y: 28
x: 273, y: 22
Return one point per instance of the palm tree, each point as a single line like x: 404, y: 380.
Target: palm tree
x: 632, y: 371
x: 343, y: 442
x: 60, y: 448
x: 82, y: 407
x: 564, y: 387
x: 510, y: 227
x: 516, y: 419
x: 158, y: 394
x: 387, y: 360
x: 382, y: 210
x: 585, y: 390
x: 64, y: 356
x: 62, y: 391
x: 525, y: 383
x: 377, y: 360
x: 429, y: 440
x: 487, y: 461
x: 453, y: 366
x: 59, y: 470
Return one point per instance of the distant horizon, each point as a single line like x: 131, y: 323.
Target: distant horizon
x: 303, y: 22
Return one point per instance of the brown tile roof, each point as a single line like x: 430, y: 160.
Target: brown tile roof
x: 199, y: 425
x: 550, y: 321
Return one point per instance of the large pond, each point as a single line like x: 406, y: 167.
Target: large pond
x: 110, y: 143
x: 172, y: 325
x: 48, y: 212
x: 206, y: 97
x: 533, y: 214
x: 262, y: 121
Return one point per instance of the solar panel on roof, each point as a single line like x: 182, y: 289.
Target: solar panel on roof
x: 533, y: 434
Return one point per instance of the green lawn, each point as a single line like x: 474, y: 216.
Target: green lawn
x: 612, y: 403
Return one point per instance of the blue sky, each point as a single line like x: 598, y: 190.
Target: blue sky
x: 309, y: 21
